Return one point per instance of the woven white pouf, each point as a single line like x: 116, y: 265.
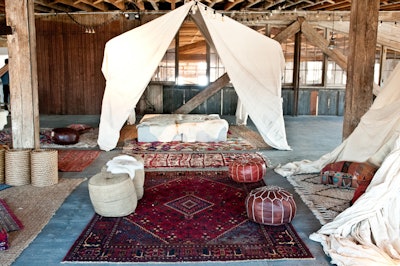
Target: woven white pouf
x: 112, y: 195
x: 138, y: 179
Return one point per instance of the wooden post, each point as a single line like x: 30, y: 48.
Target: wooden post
x: 296, y: 73
x: 360, y: 62
x: 23, y: 73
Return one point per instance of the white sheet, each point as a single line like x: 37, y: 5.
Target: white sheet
x: 181, y: 127
x: 253, y: 61
x: 367, y: 233
x: 129, y: 62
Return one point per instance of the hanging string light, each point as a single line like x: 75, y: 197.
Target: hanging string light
x: 332, y: 42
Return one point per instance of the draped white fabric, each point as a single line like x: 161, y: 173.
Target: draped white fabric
x: 367, y: 233
x: 129, y: 63
x: 371, y: 141
x: 253, y: 62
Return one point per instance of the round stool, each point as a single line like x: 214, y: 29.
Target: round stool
x: 270, y: 205
x: 112, y: 195
x: 247, y: 169
x: 64, y: 136
x: 138, y: 180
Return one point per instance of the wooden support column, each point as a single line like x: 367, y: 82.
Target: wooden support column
x: 21, y: 43
x: 203, y: 95
x: 360, y: 70
x: 296, y: 73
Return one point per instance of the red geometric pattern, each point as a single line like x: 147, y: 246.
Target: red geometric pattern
x: 187, y: 216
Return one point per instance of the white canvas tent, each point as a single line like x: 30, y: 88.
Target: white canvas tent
x: 253, y: 62
x: 367, y: 233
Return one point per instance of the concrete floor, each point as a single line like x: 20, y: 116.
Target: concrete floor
x: 309, y: 137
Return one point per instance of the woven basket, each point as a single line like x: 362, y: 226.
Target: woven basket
x: 17, y: 167
x: 44, y: 167
x: 2, y: 165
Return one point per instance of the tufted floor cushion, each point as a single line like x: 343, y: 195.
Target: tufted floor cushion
x: 64, y: 136
x: 270, y: 205
x: 247, y: 169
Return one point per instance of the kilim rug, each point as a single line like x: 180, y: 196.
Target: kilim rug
x: 184, y: 217
x: 231, y: 144
x: 192, y: 160
x: 325, y: 201
x: 75, y: 160
x: 8, y: 220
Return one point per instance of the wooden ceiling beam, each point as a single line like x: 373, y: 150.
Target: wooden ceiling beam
x: 288, y: 32
x: 230, y: 5
x: 154, y: 4
x: 319, y: 41
x: 51, y: 7
x: 71, y: 3
x: 193, y: 46
x: 118, y: 4
x: 97, y: 4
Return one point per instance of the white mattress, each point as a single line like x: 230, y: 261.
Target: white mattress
x: 182, y: 127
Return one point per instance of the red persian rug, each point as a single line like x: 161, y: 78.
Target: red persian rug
x: 186, y: 217
x: 191, y: 160
x: 75, y: 160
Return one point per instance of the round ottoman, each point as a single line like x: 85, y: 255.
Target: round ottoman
x: 64, y: 136
x: 270, y: 205
x: 112, y: 195
x: 138, y: 180
x: 247, y: 169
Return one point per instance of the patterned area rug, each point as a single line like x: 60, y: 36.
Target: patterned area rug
x: 231, y: 144
x: 75, y: 160
x: 184, y: 217
x: 325, y: 201
x: 8, y: 220
x: 192, y: 160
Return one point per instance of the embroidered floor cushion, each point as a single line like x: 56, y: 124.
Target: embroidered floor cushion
x: 270, y: 205
x: 347, y: 174
x: 247, y: 169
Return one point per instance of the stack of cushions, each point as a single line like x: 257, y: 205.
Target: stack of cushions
x: 349, y: 174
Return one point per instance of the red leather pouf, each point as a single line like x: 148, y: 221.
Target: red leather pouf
x: 270, y: 205
x: 64, y: 136
x: 247, y: 169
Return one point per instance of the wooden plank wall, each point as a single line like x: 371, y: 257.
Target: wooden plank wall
x: 70, y: 80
